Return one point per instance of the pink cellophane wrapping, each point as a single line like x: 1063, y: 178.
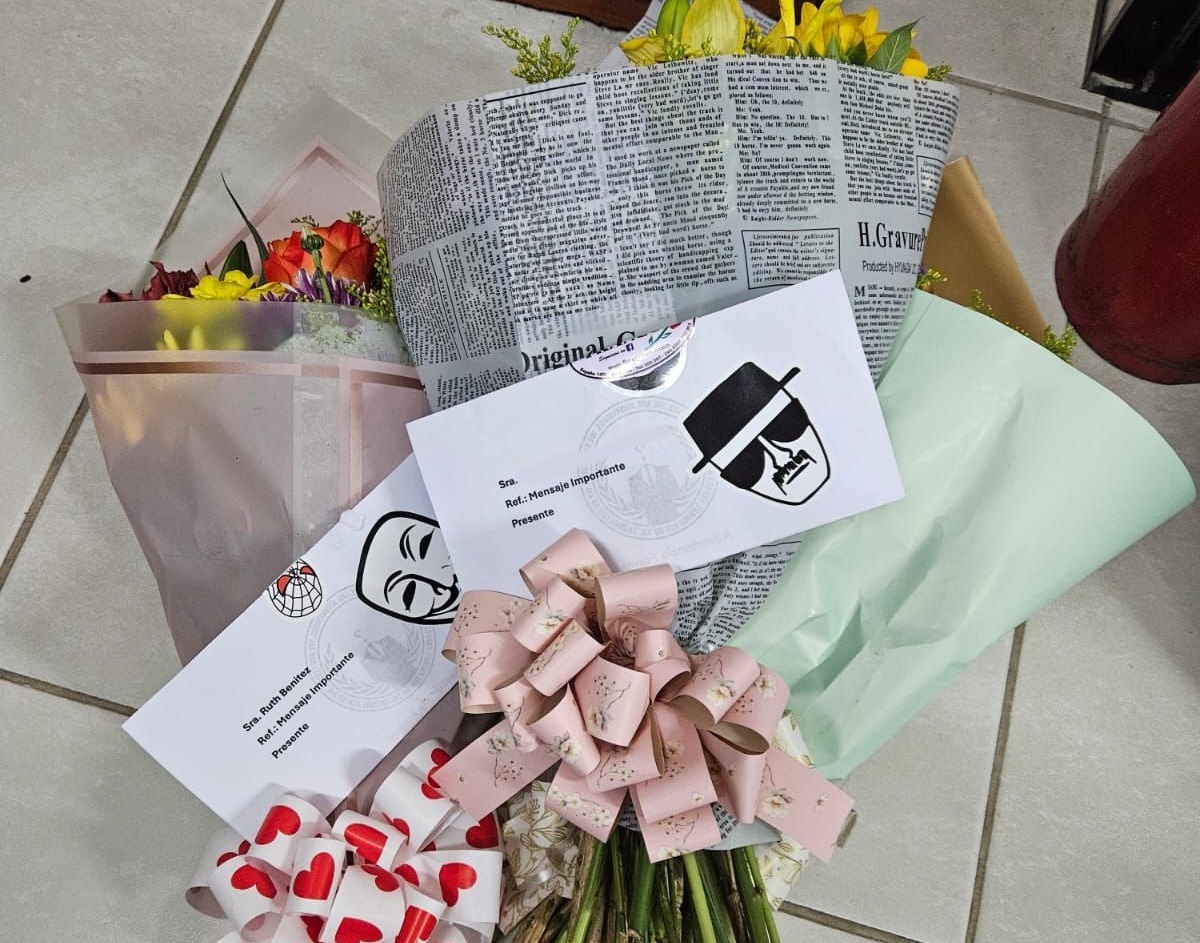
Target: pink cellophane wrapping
x: 232, y: 460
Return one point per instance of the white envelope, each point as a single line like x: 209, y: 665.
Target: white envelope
x: 683, y: 446
x: 323, y: 674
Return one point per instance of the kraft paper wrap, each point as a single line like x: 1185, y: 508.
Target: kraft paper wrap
x: 966, y: 244
x: 1022, y: 476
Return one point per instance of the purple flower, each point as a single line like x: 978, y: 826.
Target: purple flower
x: 307, y: 288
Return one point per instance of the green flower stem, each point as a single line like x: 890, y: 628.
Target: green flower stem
x: 687, y: 926
x: 669, y: 905
x: 714, y: 892
x: 591, y: 889
x: 749, y: 894
x: 760, y: 889
x: 311, y: 243
x: 736, y: 905
x: 617, y: 891
x: 644, y: 873
x: 556, y: 928
x: 595, y: 933
x: 696, y: 892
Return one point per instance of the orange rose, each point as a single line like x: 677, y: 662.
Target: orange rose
x: 347, y: 254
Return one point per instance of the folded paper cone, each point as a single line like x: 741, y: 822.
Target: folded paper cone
x: 1022, y: 476
x: 966, y: 244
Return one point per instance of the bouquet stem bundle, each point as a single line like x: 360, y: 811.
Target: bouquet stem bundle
x: 621, y: 895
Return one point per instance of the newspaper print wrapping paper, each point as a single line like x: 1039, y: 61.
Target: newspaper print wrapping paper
x: 536, y: 226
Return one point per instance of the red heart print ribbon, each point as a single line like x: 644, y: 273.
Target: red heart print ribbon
x: 418, y: 869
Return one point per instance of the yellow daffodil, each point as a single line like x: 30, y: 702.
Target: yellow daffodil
x: 211, y: 326
x: 233, y: 286
x: 719, y: 25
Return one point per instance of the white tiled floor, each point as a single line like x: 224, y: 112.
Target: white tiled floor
x: 1094, y: 829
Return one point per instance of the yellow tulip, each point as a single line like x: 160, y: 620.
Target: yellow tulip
x: 719, y: 24
x: 913, y: 66
x: 787, y: 16
x: 778, y: 42
x: 812, y: 23
x: 870, y: 22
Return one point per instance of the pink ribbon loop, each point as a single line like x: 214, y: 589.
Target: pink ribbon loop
x: 416, y: 863
x: 589, y: 675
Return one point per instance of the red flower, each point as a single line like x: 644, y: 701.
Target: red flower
x: 161, y: 283
x: 347, y: 254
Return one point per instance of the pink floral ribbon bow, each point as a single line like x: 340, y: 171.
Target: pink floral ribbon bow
x: 589, y: 675
x: 420, y: 870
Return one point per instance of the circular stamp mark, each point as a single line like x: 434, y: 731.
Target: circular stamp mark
x: 391, y: 658
x: 657, y: 497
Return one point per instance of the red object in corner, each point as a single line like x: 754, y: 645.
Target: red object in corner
x: 1128, y: 268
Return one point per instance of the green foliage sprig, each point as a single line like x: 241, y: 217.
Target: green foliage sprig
x: 537, y: 62
x: 377, y: 301
x: 1061, y: 345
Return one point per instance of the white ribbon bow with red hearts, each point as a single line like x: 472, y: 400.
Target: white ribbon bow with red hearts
x: 421, y: 869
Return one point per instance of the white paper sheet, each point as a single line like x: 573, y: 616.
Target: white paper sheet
x: 683, y: 446
x: 323, y: 674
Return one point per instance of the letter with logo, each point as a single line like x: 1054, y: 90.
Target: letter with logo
x: 326, y: 670
x: 699, y: 440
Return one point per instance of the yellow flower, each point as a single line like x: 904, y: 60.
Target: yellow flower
x: 644, y: 50
x: 914, y: 66
x: 810, y: 29
x: 192, y: 326
x: 779, y: 41
x: 233, y: 286
x: 720, y: 24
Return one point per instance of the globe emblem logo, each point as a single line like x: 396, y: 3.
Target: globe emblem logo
x: 297, y: 592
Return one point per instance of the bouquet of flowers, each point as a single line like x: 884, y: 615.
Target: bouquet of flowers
x: 240, y: 411
x: 642, y: 775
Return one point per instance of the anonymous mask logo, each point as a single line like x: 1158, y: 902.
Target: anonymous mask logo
x: 759, y: 437
x: 405, y: 570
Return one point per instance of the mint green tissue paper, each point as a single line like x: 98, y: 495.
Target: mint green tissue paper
x: 1022, y: 476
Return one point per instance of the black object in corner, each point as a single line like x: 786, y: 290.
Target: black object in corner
x: 1143, y: 51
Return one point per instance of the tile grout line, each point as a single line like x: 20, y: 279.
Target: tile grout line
x: 43, y: 491
x: 1029, y: 97
x: 56, y: 463
x: 862, y: 930
x: 210, y: 145
x: 67, y: 694
x: 1077, y: 110
x: 989, y: 812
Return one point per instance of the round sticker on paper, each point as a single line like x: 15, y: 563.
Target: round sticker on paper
x: 639, y: 357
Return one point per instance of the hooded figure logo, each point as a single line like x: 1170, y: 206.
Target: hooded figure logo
x: 405, y: 570
x: 758, y: 435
